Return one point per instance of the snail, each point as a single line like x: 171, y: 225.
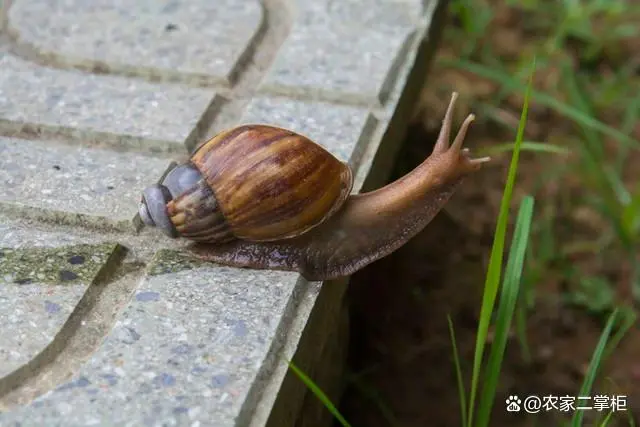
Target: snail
x: 263, y: 197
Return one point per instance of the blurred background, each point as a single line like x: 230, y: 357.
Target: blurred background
x: 580, y: 161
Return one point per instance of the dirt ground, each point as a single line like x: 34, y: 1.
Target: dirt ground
x: 401, y: 352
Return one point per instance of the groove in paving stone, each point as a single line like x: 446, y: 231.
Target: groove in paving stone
x: 39, y: 288
x: 148, y: 39
x: 323, y: 81
x: 275, y: 27
x: 74, y: 185
x: 100, y: 109
x: 204, y: 332
x: 334, y: 44
x: 395, y: 114
x: 24, y: 376
x: 20, y: 233
x: 4, y: 7
x: 274, y: 357
x: 71, y: 136
x: 55, y: 217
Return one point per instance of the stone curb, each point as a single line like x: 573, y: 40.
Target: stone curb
x: 109, y: 323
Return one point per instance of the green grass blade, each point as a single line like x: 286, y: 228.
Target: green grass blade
x: 617, y: 185
x: 579, y: 100
x: 521, y: 326
x: 506, y: 308
x: 631, y: 216
x: 495, y: 261
x: 607, y: 179
x: 606, y: 420
x: 456, y: 361
x: 631, y: 115
x: 630, y: 418
x: 319, y: 394
x: 512, y: 84
x: 628, y: 318
x: 594, y: 365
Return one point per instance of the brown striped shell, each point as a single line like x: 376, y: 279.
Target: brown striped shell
x: 259, y: 183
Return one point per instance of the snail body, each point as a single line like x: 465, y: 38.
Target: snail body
x: 264, y: 197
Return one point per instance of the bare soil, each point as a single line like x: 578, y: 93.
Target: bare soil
x: 401, y: 352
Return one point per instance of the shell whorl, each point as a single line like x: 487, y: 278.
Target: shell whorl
x: 183, y: 205
x: 196, y: 215
x: 271, y: 183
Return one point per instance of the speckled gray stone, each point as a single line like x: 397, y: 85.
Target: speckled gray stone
x: 371, y: 14
x: 31, y: 316
x: 188, y: 349
x: 205, y: 39
x: 342, y: 51
x: 343, y: 130
x: 186, y: 343
x: 15, y: 234
x: 156, y: 116
x: 194, y: 342
x: 39, y: 288
x: 75, y: 180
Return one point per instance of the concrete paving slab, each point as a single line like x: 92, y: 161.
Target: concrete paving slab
x: 201, y: 41
x: 100, y: 186
x: 189, y: 348
x: 155, y: 117
x: 31, y: 318
x: 145, y: 334
x: 335, y: 44
x: 39, y: 289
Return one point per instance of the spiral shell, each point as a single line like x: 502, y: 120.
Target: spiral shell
x: 256, y: 183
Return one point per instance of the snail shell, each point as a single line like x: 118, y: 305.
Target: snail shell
x: 253, y: 182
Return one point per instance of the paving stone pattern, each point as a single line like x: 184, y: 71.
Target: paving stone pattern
x: 105, y: 322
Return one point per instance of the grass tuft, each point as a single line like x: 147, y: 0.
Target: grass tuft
x: 494, y: 270
x: 456, y: 363
x: 600, y: 355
